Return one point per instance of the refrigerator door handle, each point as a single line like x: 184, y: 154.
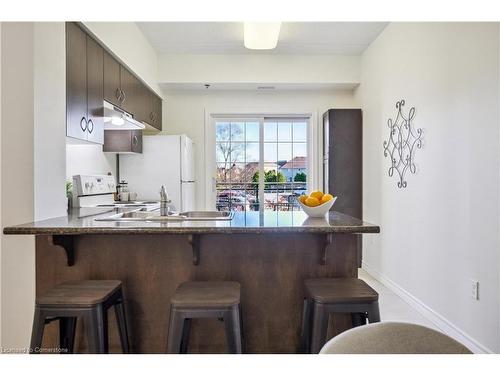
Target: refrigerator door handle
x: 213, y: 184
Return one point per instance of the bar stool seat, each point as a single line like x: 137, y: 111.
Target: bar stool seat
x: 205, y: 299
x: 79, y: 293
x: 85, y: 299
x: 324, y: 296
x: 340, y: 290
x: 207, y: 293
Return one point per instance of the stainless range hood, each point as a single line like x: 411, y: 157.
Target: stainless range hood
x: 116, y: 118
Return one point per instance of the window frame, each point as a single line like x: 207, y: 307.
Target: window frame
x: 211, y: 117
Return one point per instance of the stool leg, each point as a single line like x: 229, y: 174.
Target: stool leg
x: 374, y: 313
x: 186, y: 330
x: 175, y: 330
x: 96, y: 325
x: 122, y: 326
x: 233, y: 330
x: 305, y: 333
x: 319, y: 327
x: 242, y: 337
x: 358, y: 319
x: 37, y: 331
x: 67, y: 328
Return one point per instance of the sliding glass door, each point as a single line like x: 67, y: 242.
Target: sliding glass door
x: 261, y: 163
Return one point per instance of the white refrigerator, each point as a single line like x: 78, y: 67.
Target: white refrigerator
x: 165, y: 160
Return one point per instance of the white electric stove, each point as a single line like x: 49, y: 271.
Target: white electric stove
x: 98, y: 191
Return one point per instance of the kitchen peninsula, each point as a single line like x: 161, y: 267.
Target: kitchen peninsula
x: 269, y: 254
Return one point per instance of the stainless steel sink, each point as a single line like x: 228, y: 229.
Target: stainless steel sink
x: 155, y: 216
x: 207, y: 215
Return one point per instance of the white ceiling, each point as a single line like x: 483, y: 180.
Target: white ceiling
x: 348, y: 38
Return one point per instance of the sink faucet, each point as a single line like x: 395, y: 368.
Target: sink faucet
x: 164, y: 201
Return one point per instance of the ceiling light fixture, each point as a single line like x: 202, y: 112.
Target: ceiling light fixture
x: 261, y: 35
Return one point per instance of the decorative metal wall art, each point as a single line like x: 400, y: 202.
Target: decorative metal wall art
x: 403, y: 140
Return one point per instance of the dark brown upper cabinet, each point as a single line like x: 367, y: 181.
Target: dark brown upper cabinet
x: 84, y: 86
x: 95, y: 86
x: 112, y: 86
x: 76, y: 82
x: 152, y: 109
x: 125, y: 90
x: 130, y: 87
x: 123, y: 141
x: 94, y: 75
x: 157, y: 112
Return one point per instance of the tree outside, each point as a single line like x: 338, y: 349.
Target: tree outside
x: 270, y: 176
x: 300, y: 177
x: 227, y: 150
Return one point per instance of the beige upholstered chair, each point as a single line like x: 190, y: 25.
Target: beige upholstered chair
x: 393, y: 338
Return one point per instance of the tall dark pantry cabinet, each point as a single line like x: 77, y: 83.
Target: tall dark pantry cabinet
x: 343, y: 161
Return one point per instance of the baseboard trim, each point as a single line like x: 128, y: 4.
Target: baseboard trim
x: 444, y: 324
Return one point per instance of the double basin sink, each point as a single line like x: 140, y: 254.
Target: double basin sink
x: 182, y: 216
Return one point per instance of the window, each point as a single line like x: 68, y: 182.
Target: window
x: 261, y: 164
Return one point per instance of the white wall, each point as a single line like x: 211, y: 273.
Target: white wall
x: 18, y: 253
x: 259, y: 68
x: 32, y: 157
x: 50, y: 119
x: 88, y: 159
x: 442, y: 230
x: 130, y: 45
x: 184, y: 113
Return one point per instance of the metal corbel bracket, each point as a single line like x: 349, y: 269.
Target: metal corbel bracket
x: 68, y: 244
x: 194, y: 241
x: 328, y: 242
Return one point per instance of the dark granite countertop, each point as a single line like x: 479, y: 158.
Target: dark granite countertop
x: 82, y: 221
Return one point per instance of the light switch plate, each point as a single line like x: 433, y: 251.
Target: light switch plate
x: 475, y: 289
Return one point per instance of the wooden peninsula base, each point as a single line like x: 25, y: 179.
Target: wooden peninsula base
x: 271, y: 268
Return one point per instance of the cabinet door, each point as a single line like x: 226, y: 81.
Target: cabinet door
x: 147, y: 111
x: 95, y: 62
x: 112, y: 80
x: 123, y: 141
x: 76, y: 82
x: 130, y: 86
x: 345, y: 133
x: 145, y: 108
x: 157, y: 112
x: 136, y: 141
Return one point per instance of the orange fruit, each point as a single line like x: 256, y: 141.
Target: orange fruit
x: 316, y: 194
x: 325, y: 198
x: 302, y: 199
x: 312, y: 202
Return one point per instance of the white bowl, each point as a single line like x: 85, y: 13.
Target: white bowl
x: 318, y: 211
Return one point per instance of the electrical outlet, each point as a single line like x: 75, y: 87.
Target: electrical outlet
x: 474, y: 289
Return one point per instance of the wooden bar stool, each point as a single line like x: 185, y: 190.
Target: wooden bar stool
x: 205, y: 299
x: 335, y: 295
x: 86, y: 299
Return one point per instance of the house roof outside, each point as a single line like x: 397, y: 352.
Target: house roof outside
x: 298, y: 162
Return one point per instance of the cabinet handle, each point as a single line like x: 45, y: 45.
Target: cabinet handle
x: 151, y: 116
x: 83, y: 124
x: 135, y: 140
x: 118, y: 94
x: 90, y: 122
x: 124, y: 96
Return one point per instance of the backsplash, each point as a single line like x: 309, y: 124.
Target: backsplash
x: 88, y: 159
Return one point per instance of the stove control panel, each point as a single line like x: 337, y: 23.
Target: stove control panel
x: 93, y: 184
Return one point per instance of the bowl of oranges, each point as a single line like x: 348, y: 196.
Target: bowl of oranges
x: 316, y: 204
